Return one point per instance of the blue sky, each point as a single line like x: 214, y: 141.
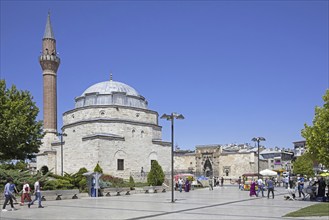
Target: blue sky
x: 234, y: 69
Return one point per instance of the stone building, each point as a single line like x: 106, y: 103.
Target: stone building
x: 110, y: 125
x: 229, y: 161
x: 184, y: 161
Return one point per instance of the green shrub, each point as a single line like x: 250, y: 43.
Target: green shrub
x: 156, y: 175
x: 19, y: 177
x: 83, y: 185
x: 131, y: 183
x: 114, y: 181
x: 98, y: 169
x: 141, y: 184
x: 21, y: 165
x: 57, y: 184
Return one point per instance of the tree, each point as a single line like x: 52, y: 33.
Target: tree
x: 156, y: 175
x: 317, y: 136
x: 304, y: 165
x: 20, y: 133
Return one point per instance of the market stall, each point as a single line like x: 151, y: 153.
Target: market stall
x: 247, y: 178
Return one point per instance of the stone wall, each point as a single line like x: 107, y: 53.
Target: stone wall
x: 230, y: 165
x: 184, y: 163
x: 126, y: 134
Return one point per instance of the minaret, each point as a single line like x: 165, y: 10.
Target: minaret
x: 49, y: 62
x: 48, y: 154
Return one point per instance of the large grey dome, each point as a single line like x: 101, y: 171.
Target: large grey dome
x: 111, y: 93
x: 110, y: 87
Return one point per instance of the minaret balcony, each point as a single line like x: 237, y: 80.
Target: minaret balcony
x: 48, y: 57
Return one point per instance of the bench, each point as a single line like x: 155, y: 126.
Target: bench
x: 159, y: 188
x: 59, y: 194
x: 118, y: 191
x: 147, y: 188
x: 154, y: 188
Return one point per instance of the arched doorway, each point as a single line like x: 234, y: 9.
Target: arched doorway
x: 207, y: 168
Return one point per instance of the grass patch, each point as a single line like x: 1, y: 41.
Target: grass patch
x: 321, y: 209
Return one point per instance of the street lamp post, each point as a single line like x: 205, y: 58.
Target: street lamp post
x: 258, y: 139
x: 62, y: 166
x: 171, y: 117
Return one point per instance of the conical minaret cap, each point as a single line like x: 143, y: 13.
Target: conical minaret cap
x: 49, y: 30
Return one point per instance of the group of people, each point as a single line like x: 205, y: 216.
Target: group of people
x: 269, y: 183
x: 10, y: 190
x: 298, y: 185
x: 186, y: 183
x: 293, y: 187
x: 217, y: 181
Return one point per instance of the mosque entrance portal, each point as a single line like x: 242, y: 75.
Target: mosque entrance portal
x: 207, y: 168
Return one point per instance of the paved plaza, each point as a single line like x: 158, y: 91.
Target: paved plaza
x: 222, y: 203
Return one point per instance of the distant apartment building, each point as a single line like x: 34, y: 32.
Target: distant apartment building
x: 299, y: 148
x: 279, y: 160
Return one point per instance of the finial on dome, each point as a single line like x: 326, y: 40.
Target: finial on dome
x: 111, y: 76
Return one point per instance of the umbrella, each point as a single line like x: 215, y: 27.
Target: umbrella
x: 183, y: 175
x: 268, y: 172
x: 324, y: 174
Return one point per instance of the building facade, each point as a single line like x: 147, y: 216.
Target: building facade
x: 279, y: 160
x: 229, y: 161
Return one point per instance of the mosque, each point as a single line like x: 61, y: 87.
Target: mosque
x: 110, y: 125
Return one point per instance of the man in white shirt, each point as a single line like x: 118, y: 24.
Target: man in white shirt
x: 180, y: 184
x: 260, y: 187
x: 37, y: 194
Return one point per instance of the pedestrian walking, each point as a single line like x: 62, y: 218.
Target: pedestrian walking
x: 239, y: 182
x: 217, y: 181
x: 25, y: 193
x: 222, y: 181
x: 260, y: 187
x: 8, y: 196
x: 286, y: 181
x: 300, y: 184
x: 13, y: 191
x: 187, y: 186
x: 252, y: 191
x: 37, y: 192
x: 142, y: 172
x: 180, y: 184
x: 270, y: 187
x: 211, y: 183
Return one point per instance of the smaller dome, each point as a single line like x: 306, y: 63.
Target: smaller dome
x: 108, y: 87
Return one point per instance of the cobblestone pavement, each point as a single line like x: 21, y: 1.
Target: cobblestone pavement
x: 222, y: 203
